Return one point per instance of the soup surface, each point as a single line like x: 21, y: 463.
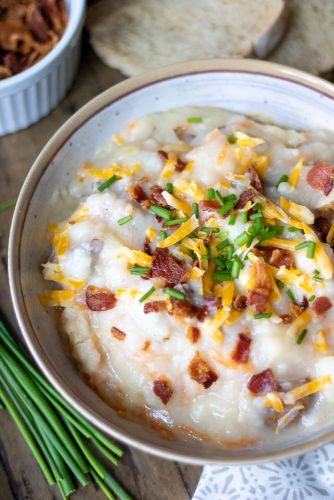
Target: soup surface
x: 195, y: 277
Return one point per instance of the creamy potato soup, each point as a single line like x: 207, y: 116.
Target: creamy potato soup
x: 195, y: 278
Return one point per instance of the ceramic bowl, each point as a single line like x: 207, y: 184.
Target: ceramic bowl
x: 28, y: 96
x: 288, y: 97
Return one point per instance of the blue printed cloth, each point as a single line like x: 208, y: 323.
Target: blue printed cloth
x: 309, y: 476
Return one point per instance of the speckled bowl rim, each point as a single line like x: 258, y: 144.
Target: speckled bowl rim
x: 246, y: 66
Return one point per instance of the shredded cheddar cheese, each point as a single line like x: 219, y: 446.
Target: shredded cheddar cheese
x: 304, y: 390
x: 54, y: 298
x: 295, y: 173
x: 185, y: 228
x: 299, y: 323
x: 245, y: 141
x: 272, y: 400
x: 151, y: 233
x: 174, y: 202
x: 319, y: 342
x: 136, y: 257
x: 115, y: 169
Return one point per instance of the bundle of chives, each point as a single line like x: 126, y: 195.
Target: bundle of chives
x: 61, y: 440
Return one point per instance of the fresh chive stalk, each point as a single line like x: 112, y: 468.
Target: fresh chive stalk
x: 169, y: 187
x: 221, y: 276
x: 174, y: 222
x: 283, y: 178
x: 195, y: 209
x: 124, y: 220
x: 290, y: 295
x: 231, y: 139
x: 55, y: 432
x: 301, y: 336
x: 210, y: 194
x: 163, y: 234
x: 262, y: 315
x: 210, y: 229
x: 232, y: 219
x: 226, y: 207
x: 195, y: 119
x: 162, y: 212
x: 147, y: 294
x: 4, y: 205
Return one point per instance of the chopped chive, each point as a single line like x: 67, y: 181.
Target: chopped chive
x: 162, y: 212
x: 226, y: 208
x: 257, y: 207
x: 230, y: 197
x: 242, y: 239
x: 210, y: 194
x: 163, y: 234
x: 316, y: 272
x: 235, y: 271
x: 147, y: 294
x: 262, y: 315
x: 319, y: 280
x: 239, y: 261
x: 192, y: 254
x: 311, y: 299
x: 290, y: 295
x: 169, y: 187
x: 232, y: 219
x: 139, y: 271
x: 231, y: 139
x: 195, y: 209
x: 293, y: 229
x: 229, y: 251
x: 301, y: 337
x: 222, y: 234
x: 192, y: 235
x: 173, y: 222
x: 195, y: 119
x: 220, y: 198
x: 311, y: 250
x: 210, y: 229
x: 174, y: 293
x: 279, y: 284
x: 256, y: 216
x: 7, y: 204
x: 310, y: 245
x: 108, y: 183
x: 222, y: 245
x: 124, y: 220
x: 244, y: 217
x: 207, y: 256
x: 283, y: 178
x: 221, y: 276
x: 220, y: 262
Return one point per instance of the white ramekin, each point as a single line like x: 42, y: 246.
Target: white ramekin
x: 32, y: 94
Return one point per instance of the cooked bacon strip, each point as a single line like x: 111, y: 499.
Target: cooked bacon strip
x: 117, y: 333
x: 321, y: 177
x: 321, y: 226
x: 99, y: 299
x: 209, y: 308
x: 137, y: 193
x: 242, y: 349
x: 181, y: 309
x: 255, y: 179
x: 281, y: 257
x: 155, y: 306
x: 163, y: 389
x: 287, y: 318
x: 200, y: 371
x: 193, y: 334
x: 263, y: 382
x: 147, y: 246
x: 265, y: 252
x: 297, y: 309
x: 209, y: 205
x: 37, y: 24
x: 180, y: 165
x: 244, y: 197
x: 156, y: 196
x: 259, y: 295
x: 163, y: 155
x: 321, y: 305
x: 240, y: 302
x: 166, y: 266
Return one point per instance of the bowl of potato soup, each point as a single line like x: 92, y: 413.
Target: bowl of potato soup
x: 171, y: 261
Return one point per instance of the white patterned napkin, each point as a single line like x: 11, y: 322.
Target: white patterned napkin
x: 309, y: 476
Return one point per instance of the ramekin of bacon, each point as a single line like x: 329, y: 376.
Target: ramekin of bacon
x: 39, y: 56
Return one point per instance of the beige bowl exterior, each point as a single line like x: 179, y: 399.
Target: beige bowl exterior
x: 243, y: 85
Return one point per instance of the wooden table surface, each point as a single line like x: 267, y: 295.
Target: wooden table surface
x: 144, y: 476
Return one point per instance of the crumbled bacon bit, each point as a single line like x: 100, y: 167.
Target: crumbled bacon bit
x: 263, y: 382
x: 258, y: 298
x: 241, y: 351
x: 147, y: 345
x: 209, y: 205
x: 244, y: 197
x: 117, y: 333
x: 296, y: 310
x: 163, y: 389
x: 259, y: 295
x: 321, y: 226
x: 137, y: 193
x: 200, y: 371
x: 240, y: 302
x: 321, y: 305
x: 99, y: 299
x: 210, y: 307
x: 263, y: 251
x: 155, y: 306
x: 281, y: 257
x: 193, y: 334
x: 321, y: 177
x: 181, y: 309
x: 156, y: 196
x: 286, y: 318
x: 180, y: 165
x: 163, y: 155
x: 147, y: 246
x: 255, y: 179
x: 166, y: 266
